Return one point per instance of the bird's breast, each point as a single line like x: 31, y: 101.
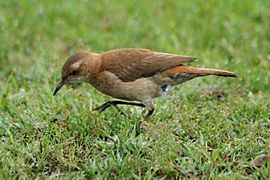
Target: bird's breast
x: 137, y: 90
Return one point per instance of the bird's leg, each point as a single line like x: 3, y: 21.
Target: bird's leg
x: 149, y: 105
x: 104, y: 106
x: 119, y: 110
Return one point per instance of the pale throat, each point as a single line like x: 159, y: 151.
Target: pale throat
x: 80, y: 79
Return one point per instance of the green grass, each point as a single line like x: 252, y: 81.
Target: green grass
x: 210, y: 127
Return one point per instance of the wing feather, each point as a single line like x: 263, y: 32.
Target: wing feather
x: 132, y: 63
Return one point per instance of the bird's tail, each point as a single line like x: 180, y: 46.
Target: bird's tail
x: 200, y: 71
x: 180, y: 74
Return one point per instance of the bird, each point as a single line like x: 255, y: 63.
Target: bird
x: 134, y: 76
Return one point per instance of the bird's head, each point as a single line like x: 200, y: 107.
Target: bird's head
x: 77, y: 68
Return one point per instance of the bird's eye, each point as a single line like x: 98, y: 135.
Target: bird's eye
x: 73, y: 72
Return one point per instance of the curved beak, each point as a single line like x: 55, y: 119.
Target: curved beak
x: 58, y: 87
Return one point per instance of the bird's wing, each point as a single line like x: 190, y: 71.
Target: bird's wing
x: 132, y: 63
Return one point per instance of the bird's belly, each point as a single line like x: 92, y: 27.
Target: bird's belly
x: 138, y: 90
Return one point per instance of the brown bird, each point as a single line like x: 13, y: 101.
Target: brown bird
x: 132, y: 74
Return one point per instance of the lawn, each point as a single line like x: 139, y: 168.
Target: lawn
x: 210, y: 127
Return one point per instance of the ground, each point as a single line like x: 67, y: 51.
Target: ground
x: 210, y: 127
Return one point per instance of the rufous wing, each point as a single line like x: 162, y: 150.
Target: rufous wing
x: 133, y: 63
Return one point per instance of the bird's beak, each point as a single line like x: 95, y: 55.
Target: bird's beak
x: 58, y: 87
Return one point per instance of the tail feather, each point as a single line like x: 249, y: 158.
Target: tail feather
x: 199, y: 71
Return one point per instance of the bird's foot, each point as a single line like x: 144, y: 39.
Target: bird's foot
x: 102, y: 107
x: 142, y: 124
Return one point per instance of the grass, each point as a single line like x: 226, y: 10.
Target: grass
x: 210, y: 127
